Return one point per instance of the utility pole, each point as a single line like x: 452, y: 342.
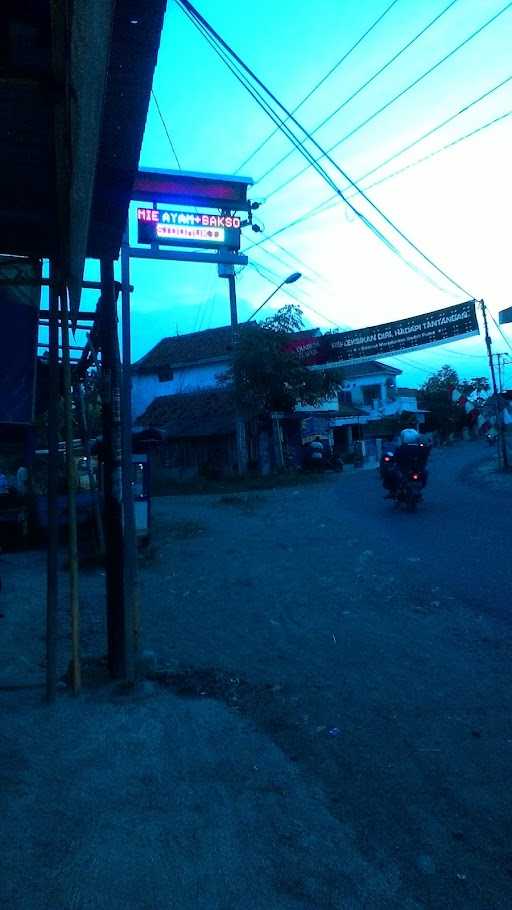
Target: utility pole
x: 502, y: 446
x: 228, y: 271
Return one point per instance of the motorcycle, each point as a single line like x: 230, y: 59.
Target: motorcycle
x: 409, y: 491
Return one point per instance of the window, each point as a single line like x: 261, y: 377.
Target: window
x: 165, y: 374
x: 370, y: 394
x: 344, y: 399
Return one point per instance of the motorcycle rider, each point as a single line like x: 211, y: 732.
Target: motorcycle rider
x: 410, y: 456
x: 315, y: 453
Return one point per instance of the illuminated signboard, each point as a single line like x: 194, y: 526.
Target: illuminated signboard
x: 201, y: 229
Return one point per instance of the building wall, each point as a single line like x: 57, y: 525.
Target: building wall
x: 357, y: 386
x: 146, y: 387
x: 329, y: 404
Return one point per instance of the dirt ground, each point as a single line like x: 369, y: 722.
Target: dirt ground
x: 326, y: 721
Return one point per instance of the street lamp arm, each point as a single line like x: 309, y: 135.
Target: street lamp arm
x: 289, y: 280
x: 256, y: 311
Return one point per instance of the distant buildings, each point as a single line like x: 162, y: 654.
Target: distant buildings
x: 178, y: 392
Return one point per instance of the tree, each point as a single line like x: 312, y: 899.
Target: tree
x: 270, y: 376
x: 435, y: 396
x: 479, y: 384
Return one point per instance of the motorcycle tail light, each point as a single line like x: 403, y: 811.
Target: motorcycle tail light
x: 415, y: 476
x: 387, y: 458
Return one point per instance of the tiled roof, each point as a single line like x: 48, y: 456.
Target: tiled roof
x: 407, y: 393
x: 194, y: 347
x: 366, y: 368
x: 207, y: 413
x: 212, y: 344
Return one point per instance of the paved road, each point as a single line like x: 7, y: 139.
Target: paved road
x: 385, y: 641
x: 334, y: 733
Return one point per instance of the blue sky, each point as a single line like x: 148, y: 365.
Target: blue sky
x: 455, y: 206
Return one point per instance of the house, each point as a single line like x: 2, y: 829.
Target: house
x: 180, y: 364
x: 178, y: 388
x: 196, y: 432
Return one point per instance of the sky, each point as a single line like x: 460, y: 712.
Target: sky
x: 455, y: 205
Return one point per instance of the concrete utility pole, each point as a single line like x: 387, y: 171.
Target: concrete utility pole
x: 228, y: 271
x: 502, y: 445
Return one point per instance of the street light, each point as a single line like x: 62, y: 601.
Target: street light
x: 290, y: 280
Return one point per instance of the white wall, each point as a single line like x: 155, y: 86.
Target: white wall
x: 146, y: 387
x: 357, y: 385
x: 407, y: 403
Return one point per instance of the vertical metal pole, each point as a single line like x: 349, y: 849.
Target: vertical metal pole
x: 502, y: 451
x: 112, y: 484
x: 71, y: 485
x: 132, y: 625
x: 241, y: 443
x: 52, y: 570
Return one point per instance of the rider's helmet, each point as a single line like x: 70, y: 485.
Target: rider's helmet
x: 409, y: 437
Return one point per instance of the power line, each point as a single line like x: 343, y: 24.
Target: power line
x: 396, y: 97
x: 324, y: 78
x: 333, y: 199
x: 430, y: 132
x: 397, y: 357
x: 463, y: 354
x: 365, y: 85
x: 167, y: 133
x: 306, y: 305
x: 500, y: 330
x: 207, y: 32
x: 443, y: 148
x: 204, y: 26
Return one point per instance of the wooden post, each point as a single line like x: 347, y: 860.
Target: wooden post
x: 71, y: 485
x: 90, y: 473
x: 52, y: 570
x: 112, y: 475
x: 132, y: 615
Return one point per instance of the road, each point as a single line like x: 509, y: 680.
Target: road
x: 390, y: 630
x: 334, y: 728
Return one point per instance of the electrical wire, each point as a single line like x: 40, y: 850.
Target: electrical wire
x: 395, y: 98
x: 334, y: 199
x: 272, y: 277
x: 500, y: 330
x: 443, y: 148
x: 396, y: 357
x: 365, y: 85
x: 167, y: 133
x: 203, y: 25
x: 431, y: 131
x: 321, y: 81
x: 258, y: 97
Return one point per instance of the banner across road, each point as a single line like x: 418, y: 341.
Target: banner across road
x: 390, y: 338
